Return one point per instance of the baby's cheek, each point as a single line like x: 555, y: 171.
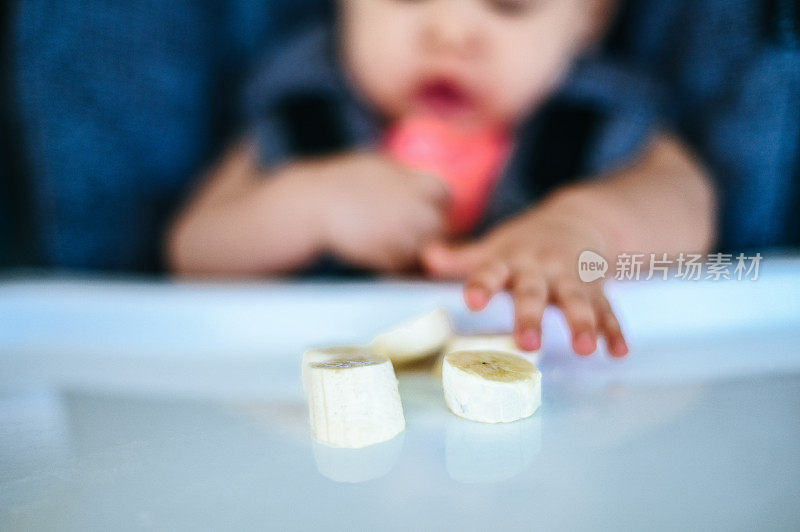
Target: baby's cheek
x: 376, y: 81
x: 526, y: 85
x: 512, y: 100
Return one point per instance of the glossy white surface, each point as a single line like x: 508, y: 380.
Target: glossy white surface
x: 137, y: 405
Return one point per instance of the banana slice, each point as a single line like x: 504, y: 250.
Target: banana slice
x: 491, y: 386
x: 323, y: 354
x: 484, y: 342
x: 354, y: 402
x: 416, y: 338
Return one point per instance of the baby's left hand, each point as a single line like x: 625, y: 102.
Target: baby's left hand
x: 535, y: 258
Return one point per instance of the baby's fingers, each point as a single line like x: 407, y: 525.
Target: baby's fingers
x: 529, y: 291
x: 609, y: 327
x: 446, y: 261
x: 580, y: 315
x: 485, y: 282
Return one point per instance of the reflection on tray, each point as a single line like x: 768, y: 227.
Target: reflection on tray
x: 357, y: 465
x: 483, y: 453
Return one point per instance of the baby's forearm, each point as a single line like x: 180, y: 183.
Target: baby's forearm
x: 664, y: 203
x: 243, y: 223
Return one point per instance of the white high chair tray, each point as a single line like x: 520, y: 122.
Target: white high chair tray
x: 135, y: 404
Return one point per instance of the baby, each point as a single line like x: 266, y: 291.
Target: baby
x: 476, y: 66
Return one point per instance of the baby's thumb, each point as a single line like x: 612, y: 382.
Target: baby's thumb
x: 433, y: 187
x: 451, y: 261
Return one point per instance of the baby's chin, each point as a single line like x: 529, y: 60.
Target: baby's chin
x: 460, y: 117
x: 400, y: 102
x: 466, y: 120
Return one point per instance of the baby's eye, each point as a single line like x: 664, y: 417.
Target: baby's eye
x: 510, y: 7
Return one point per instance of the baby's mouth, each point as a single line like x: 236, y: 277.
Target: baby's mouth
x: 444, y: 98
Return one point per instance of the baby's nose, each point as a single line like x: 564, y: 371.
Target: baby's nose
x: 453, y: 28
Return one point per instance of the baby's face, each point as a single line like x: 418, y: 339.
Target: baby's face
x: 473, y: 62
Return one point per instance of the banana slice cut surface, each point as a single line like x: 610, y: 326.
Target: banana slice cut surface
x: 489, y: 342
x: 493, y: 366
x: 490, y: 386
x: 324, y: 354
x: 483, y: 342
x: 354, y: 401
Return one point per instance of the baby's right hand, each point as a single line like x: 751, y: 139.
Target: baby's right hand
x: 372, y: 212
